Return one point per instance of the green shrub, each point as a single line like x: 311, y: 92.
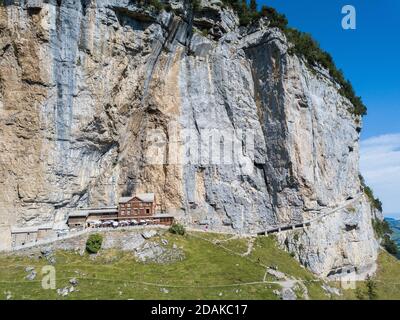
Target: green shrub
x: 370, y: 292
x: 383, y: 231
x: 277, y: 20
x: 196, y: 5
x: 303, y: 46
x: 157, y: 5
x: 389, y: 245
x: 177, y: 228
x: 253, y: 5
x: 246, y: 13
x: 371, y: 288
x: 204, y: 32
x: 381, y: 228
x: 303, y: 43
x: 93, y: 243
x: 375, y: 202
x: 359, y: 294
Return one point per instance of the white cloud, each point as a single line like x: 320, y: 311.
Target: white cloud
x: 380, y: 166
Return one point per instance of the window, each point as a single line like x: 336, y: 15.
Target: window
x: 147, y: 211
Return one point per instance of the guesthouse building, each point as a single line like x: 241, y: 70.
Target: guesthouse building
x: 137, y: 209
x: 140, y: 205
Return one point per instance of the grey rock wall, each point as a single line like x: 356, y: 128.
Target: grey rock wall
x: 85, y: 86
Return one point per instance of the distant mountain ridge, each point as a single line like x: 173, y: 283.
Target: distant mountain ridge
x: 395, y: 226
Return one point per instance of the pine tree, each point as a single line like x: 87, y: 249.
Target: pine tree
x: 244, y: 6
x: 371, y: 288
x: 253, y: 6
x: 244, y: 16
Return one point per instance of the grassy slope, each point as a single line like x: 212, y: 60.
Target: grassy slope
x: 389, y: 277
x: 387, y: 280
x: 209, y: 272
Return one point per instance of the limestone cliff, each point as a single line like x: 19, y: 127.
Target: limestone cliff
x: 86, y: 86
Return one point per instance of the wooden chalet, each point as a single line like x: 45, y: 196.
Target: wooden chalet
x: 81, y: 218
x: 140, y: 208
x: 103, y: 214
x: 78, y: 219
x: 140, y: 205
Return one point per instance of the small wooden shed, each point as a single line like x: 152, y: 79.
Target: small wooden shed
x: 78, y: 219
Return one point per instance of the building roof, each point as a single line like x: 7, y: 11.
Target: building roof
x: 78, y: 213
x: 103, y: 210
x: 46, y: 226
x: 145, y: 197
x: 84, y: 213
x: 24, y: 229
x: 124, y: 199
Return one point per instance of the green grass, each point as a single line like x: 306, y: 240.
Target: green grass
x: 386, y: 279
x: 209, y: 271
x: 206, y: 272
x: 266, y: 251
x: 237, y: 245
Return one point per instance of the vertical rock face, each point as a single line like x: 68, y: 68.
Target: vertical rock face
x: 100, y: 99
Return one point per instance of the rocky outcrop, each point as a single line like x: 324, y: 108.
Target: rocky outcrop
x: 100, y: 99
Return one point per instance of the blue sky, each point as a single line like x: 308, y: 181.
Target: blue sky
x: 370, y: 58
